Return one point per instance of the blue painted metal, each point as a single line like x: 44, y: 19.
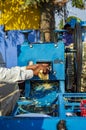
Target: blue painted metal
x: 41, y: 123
x: 83, y: 24
x: 52, y: 53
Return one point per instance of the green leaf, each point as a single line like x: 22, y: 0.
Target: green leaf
x: 78, y: 3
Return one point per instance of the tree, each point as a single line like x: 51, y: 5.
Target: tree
x: 47, y: 8
x: 79, y: 3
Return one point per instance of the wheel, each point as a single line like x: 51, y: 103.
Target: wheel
x: 78, y: 56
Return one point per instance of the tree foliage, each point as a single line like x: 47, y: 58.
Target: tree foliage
x: 78, y: 3
x: 40, y: 2
x: 35, y: 2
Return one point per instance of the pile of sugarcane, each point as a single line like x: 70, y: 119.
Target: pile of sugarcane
x: 83, y: 79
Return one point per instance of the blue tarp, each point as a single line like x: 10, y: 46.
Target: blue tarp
x: 8, y: 44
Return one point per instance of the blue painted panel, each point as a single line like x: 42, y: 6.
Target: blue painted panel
x: 41, y: 123
x: 46, y: 52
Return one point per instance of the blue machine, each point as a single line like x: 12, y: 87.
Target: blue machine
x: 42, y: 108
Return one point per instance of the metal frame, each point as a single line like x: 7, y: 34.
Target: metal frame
x: 43, y: 122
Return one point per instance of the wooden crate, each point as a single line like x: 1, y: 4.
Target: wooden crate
x: 9, y: 94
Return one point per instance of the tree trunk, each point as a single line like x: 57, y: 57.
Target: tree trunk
x: 47, y: 24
